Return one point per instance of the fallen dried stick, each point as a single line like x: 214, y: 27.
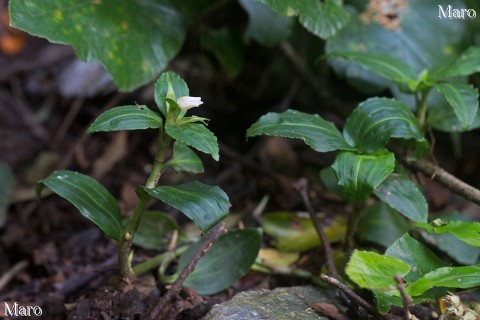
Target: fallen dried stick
x: 405, y: 298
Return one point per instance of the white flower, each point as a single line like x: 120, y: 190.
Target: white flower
x: 188, y: 102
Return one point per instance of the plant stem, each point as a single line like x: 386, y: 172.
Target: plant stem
x: 151, y: 263
x: 157, y: 169
x: 357, y: 208
x: 422, y: 109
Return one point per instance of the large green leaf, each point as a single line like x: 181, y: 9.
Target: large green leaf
x: 126, y: 118
x: 133, y: 39
x: 468, y: 232
x: 383, y: 65
x: 184, y: 159
x: 318, y: 133
x: 264, y: 26
x: 465, y: 65
x: 373, y: 271
x: 360, y: 174
x: 195, y: 135
x: 206, y: 205
x: 420, y: 259
x: 91, y: 198
x: 449, y: 277
x: 403, y: 195
x: 381, y: 224
x: 464, y: 100
x: 169, y: 85
x: 153, y: 230
x: 7, y: 180
x: 228, y: 259
x: 376, y: 120
x: 323, y: 19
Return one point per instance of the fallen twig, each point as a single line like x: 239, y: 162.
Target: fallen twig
x: 405, y: 298
x: 210, y: 238
x: 9, y: 274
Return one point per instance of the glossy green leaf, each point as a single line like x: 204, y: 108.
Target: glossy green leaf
x: 373, y: 271
x: 228, y: 259
x: 465, y: 65
x: 184, y: 159
x: 226, y: 44
x: 195, y: 135
x: 7, y: 179
x: 464, y: 100
x: 383, y: 65
x: 420, y: 259
x: 126, y: 118
x: 403, y: 195
x: 360, y: 174
x: 91, y: 198
x: 319, y: 134
x: 376, y: 120
x: 264, y: 25
x: 133, y: 49
x: 169, y: 85
x: 381, y: 224
x: 154, y: 230
x: 323, y: 19
x: 448, y: 277
x: 468, y: 232
x: 295, y: 233
x: 330, y: 181
x: 206, y: 205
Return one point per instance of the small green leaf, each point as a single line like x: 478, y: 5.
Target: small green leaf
x: 323, y: 19
x: 373, y: 271
x: 206, y: 205
x: 360, y: 174
x: 153, y: 231
x: 420, y: 259
x: 134, y: 40
x: 228, y: 259
x: 184, y: 159
x: 448, y: 277
x: 169, y: 85
x: 468, y: 232
x: 403, y: 195
x: 126, y: 118
x: 376, y: 120
x: 91, y: 198
x: 381, y: 224
x: 330, y: 181
x: 465, y: 65
x: 7, y: 179
x: 195, y: 135
x: 319, y: 134
x: 464, y: 100
x: 383, y: 65
x: 264, y: 25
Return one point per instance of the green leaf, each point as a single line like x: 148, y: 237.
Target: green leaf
x: 468, y: 232
x: 319, y: 134
x: 323, y: 19
x: 264, y: 26
x: 376, y: 120
x: 169, y: 85
x: 373, y: 271
x: 403, y: 195
x: 7, y: 180
x: 126, y: 118
x: 449, y: 277
x: 330, y: 181
x: 360, y: 174
x: 134, y: 40
x: 153, y: 231
x: 184, y: 159
x: 465, y: 65
x: 381, y: 224
x: 295, y: 233
x: 464, y: 100
x: 226, y: 44
x: 228, y: 259
x: 383, y: 65
x: 420, y: 259
x: 206, y: 205
x: 91, y: 198
x: 195, y: 135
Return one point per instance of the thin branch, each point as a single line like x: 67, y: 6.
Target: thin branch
x: 448, y: 180
x: 405, y: 298
x: 302, y: 188
x: 10, y: 274
x: 210, y: 238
